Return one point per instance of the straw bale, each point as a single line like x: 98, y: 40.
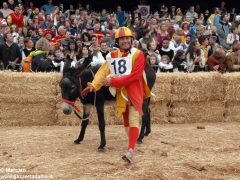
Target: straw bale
x: 38, y: 78
x: 159, y: 112
x: 162, y: 87
x: 15, y: 114
x: 192, y: 112
x: 232, y: 112
x: 18, y: 88
x: 28, y: 99
x: 29, y: 83
x: 197, y: 87
x: 232, y: 87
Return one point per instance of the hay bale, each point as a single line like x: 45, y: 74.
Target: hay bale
x: 232, y: 111
x: 159, y: 112
x: 28, y: 99
x: 15, y: 114
x: 197, y: 87
x: 162, y: 87
x: 29, y: 83
x: 193, y: 112
x: 38, y: 78
x: 232, y: 87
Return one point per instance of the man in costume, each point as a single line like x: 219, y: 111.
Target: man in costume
x: 123, y: 71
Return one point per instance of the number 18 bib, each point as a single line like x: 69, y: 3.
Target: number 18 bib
x: 121, y: 66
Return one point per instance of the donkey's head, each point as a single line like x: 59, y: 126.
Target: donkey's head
x: 70, y: 84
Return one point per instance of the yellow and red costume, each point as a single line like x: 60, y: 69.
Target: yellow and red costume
x: 126, y: 69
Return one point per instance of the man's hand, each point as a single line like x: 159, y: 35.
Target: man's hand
x: 86, y: 91
x: 216, y: 67
x: 107, y: 81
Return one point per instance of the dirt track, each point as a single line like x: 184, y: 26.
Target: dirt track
x: 170, y: 152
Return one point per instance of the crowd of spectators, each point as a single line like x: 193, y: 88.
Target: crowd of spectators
x: 172, y: 38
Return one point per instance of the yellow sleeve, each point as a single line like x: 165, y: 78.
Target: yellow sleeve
x: 100, y: 77
x: 9, y: 20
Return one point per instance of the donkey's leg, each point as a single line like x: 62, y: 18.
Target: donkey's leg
x: 101, y: 126
x: 145, y: 119
x: 86, y: 112
x: 148, y: 124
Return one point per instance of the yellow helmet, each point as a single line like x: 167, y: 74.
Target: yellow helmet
x: 123, y: 32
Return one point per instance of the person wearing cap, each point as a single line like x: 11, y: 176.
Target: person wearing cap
x: 123, y: 71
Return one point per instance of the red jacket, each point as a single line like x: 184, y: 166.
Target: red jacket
x: 213, y: 61
x: 134, y: 82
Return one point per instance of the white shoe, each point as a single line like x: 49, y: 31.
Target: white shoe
x: 128, y: 156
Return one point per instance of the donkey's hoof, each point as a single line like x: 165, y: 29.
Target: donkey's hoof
x: 101, y: 149
x: 147, y: 133
x: 76, y: 141
x: 139, y: 141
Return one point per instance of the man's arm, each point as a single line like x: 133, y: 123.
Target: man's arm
x: 100, y: 77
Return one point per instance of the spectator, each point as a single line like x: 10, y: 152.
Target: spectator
x: 2, y: 32
x: 94, y: 48
x: 195, y: 57
x: 29, y: 47
x: 58, y: 61
x: 5, y: 10
x: 199, y: 32
x: 213, y: 45
x: 104, y: 49
x: 216, y: 62
x: 86, y: 39
x: 233, y: 36
x: 185, y: 45
x: 166, y: 49
x: 223, y: 30
x: 48, y: 8
x: 97, y: 55
x: 84, y: 54
x: 233, y: 58
x: 97, y: 32
x: 61, y: 36
x: 121, y: 16
x: 179, y: 15
x: 152, y: 50
x: 179, y: 62
x: 162, y: 34
x: 16, y: 18
x: 2, y: 19
x: 165, y: 65
x: 217, y: 18
x: 41, y: 59
x: 11, y: 4
x: 152, y: 60
x: 203, y: 40
x: 145, y: 39
x: 10, y: 54
x: 72, y: 50
x: 191, y: 13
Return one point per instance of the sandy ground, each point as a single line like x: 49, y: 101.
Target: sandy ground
x: 169, y: 152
